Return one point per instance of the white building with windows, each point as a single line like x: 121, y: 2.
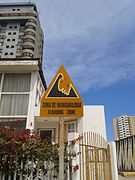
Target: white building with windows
x: 124, y: 126
x: 22, y: 83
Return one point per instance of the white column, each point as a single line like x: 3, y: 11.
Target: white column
x: 61, y: 151
x: 113, y: 160
x: 74, y: 148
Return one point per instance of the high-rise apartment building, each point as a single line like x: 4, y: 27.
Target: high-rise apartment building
x: 20, y: 33
x: 22, y: 83
x: 124, y: 126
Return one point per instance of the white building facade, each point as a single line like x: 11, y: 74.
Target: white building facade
x: 22, y: 83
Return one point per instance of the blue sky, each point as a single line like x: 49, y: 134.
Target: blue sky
x: 95, y: 40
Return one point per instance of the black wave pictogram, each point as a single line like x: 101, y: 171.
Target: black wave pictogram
x: 55, y: 92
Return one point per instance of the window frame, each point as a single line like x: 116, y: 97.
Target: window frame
x: 14, y: 93
x: 47, y: 129
x: 75, y: 126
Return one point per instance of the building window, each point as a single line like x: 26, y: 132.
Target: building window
x: 18, y: 9
x: 12, y: 46
x: 15, y: 94
x: 13, y: 39
x: 11, y: 53
x: 39, y: 91
x: 13, y: 122
x: 71, y: 127
x: 6, y: 53
x: 9, y: 33
x: 7, y: 46
x: 10, y: 27
x: 30, y: 33
x: 29, y: 40
x: 15, y: 27
x: 28, y: 54
x: 8, y: 39
x: 31, y: 27
x: 32, y: 20
x: 13, y: 9
x: 16, y: 83
x: 14, y: 104
x: 28, y: 47
x: 46, y: 134
x: 14, y: 33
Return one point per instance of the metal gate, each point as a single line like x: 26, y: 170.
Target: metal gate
x: 95, y: 162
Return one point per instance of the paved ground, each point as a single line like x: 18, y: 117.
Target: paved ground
x: 126, y: 178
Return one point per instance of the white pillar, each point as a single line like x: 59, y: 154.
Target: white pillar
x: 61, y: 151
x: 75, y: 148
x: 113, y: 160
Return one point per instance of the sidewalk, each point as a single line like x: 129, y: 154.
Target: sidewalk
x: 127, y: 178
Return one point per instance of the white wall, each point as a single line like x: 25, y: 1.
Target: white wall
x: 34, y: 110
x: 93, y: 120
x: 30, y: 118
x: 113, y: 160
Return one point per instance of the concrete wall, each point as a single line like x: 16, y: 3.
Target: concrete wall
x: 125, y: 149
x: 93, y: 120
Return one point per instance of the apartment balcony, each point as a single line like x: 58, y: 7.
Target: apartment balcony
x: 18, y: 13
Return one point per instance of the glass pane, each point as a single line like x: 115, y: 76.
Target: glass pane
x: 46, y: 134
x: 14, y: 123
x: 14, y: 105
x: 71, y: 128
x: 16, y: 83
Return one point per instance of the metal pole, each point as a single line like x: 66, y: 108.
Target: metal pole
x: 61, y: 150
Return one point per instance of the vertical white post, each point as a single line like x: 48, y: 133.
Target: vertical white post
x: 3, y: 177
x: 74, y: 149
x: 61, y: 150
x: 113, y: 160
x: 15, y: 168
x: 9, y: 177
x: 21, y: 173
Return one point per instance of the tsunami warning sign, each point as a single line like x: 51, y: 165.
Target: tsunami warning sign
x: 61, y: 98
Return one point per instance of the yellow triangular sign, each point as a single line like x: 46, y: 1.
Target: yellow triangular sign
x: 61, y: 98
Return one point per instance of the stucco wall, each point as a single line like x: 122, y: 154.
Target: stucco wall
x: 93, y: 120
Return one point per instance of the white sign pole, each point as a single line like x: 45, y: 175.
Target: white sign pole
x: 61, y: 150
